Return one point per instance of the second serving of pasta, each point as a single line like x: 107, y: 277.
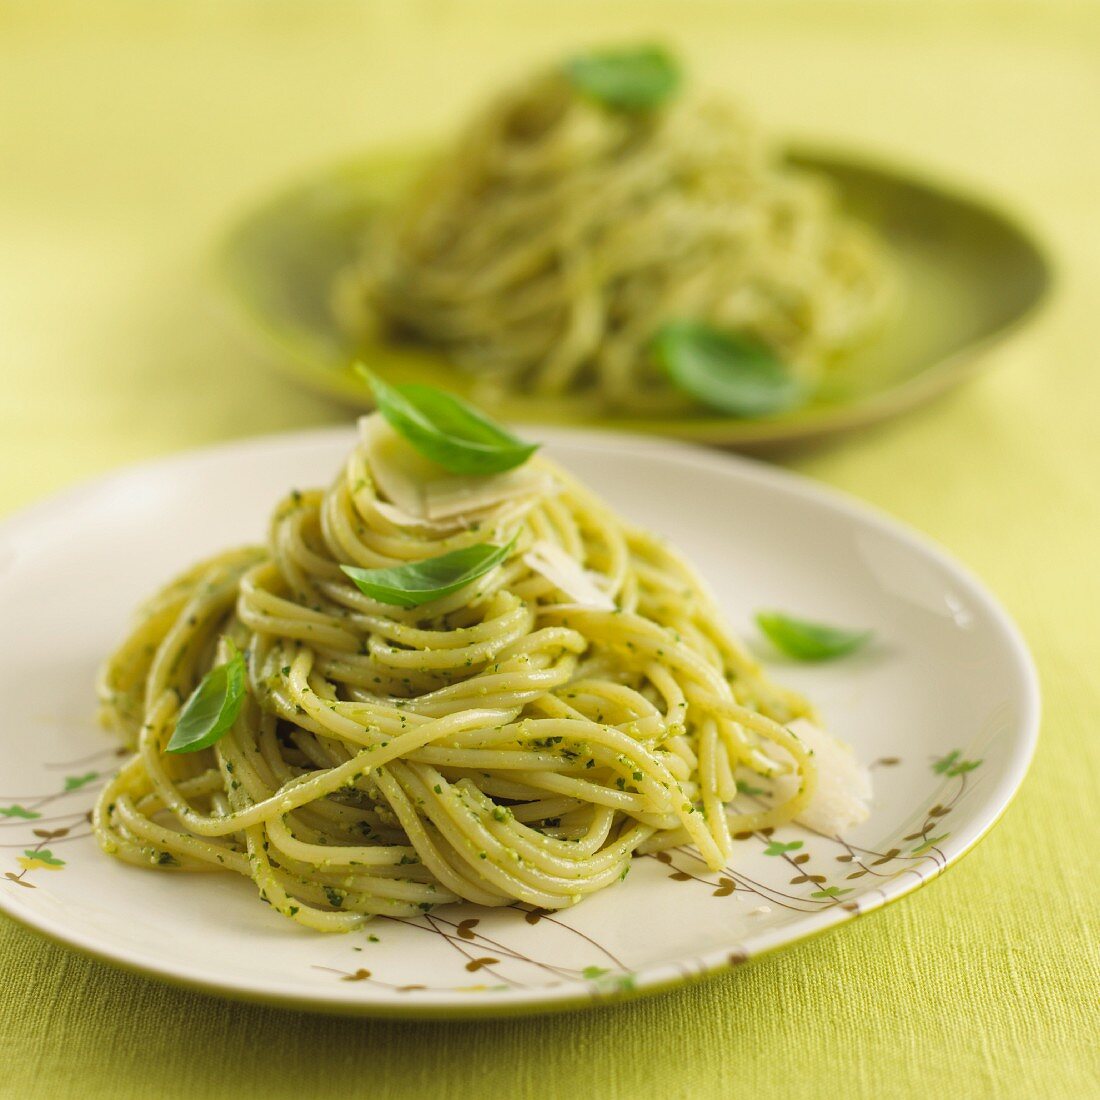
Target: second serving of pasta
x: 543, y: 250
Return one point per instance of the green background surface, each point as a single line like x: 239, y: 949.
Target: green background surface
x: 132, y: 133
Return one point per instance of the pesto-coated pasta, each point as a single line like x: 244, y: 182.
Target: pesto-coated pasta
x: 544, y: 250
x: 515, y: 741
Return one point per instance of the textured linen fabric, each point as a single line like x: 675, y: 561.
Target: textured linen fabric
x: 130, y: 133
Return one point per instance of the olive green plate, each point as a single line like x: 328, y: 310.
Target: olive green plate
x: 968, y: 276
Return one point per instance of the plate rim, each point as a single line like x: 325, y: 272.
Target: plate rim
x: 663, y: 975
x: 289, y: 358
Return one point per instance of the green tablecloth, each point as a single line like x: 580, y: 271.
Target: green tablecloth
x: 131, y: 132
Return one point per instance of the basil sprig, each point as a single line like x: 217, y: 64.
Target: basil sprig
x: 807, y: 641
x: 421, y: 581
x: 212, y: 708
x: 728, y: 372
x: 445, y: 429
x: 635, y: 79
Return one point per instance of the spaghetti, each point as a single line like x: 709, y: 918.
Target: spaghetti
x: 517, y: 740
x: 545, y: 250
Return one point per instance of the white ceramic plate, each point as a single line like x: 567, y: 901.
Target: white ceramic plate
x: 944, y: 705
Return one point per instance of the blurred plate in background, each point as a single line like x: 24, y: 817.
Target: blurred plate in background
x: 969, y: 276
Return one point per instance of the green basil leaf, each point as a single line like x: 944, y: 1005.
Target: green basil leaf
x: 725, y: 371
x: 421, y: 581
x: 806, y: 641
x: 212, y: 707
x: 636, y: 79
x: 445, y: 429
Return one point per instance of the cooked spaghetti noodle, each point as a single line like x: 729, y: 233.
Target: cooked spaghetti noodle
x: 545, y: 249
x: 510, y: 742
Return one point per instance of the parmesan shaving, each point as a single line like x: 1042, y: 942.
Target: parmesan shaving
x: 564, y: 572
x: 420, y: 492
x: 842, y: 797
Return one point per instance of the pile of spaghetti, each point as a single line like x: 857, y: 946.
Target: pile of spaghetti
x: 516, y: 739
x: 548, y: 246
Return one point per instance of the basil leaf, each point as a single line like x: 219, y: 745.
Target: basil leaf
x: 725, y: 371
x: 445, y: 429
x: 419, y: 582
x: 636, y: 79
x: 212, y: 707
x: 806, y: 641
